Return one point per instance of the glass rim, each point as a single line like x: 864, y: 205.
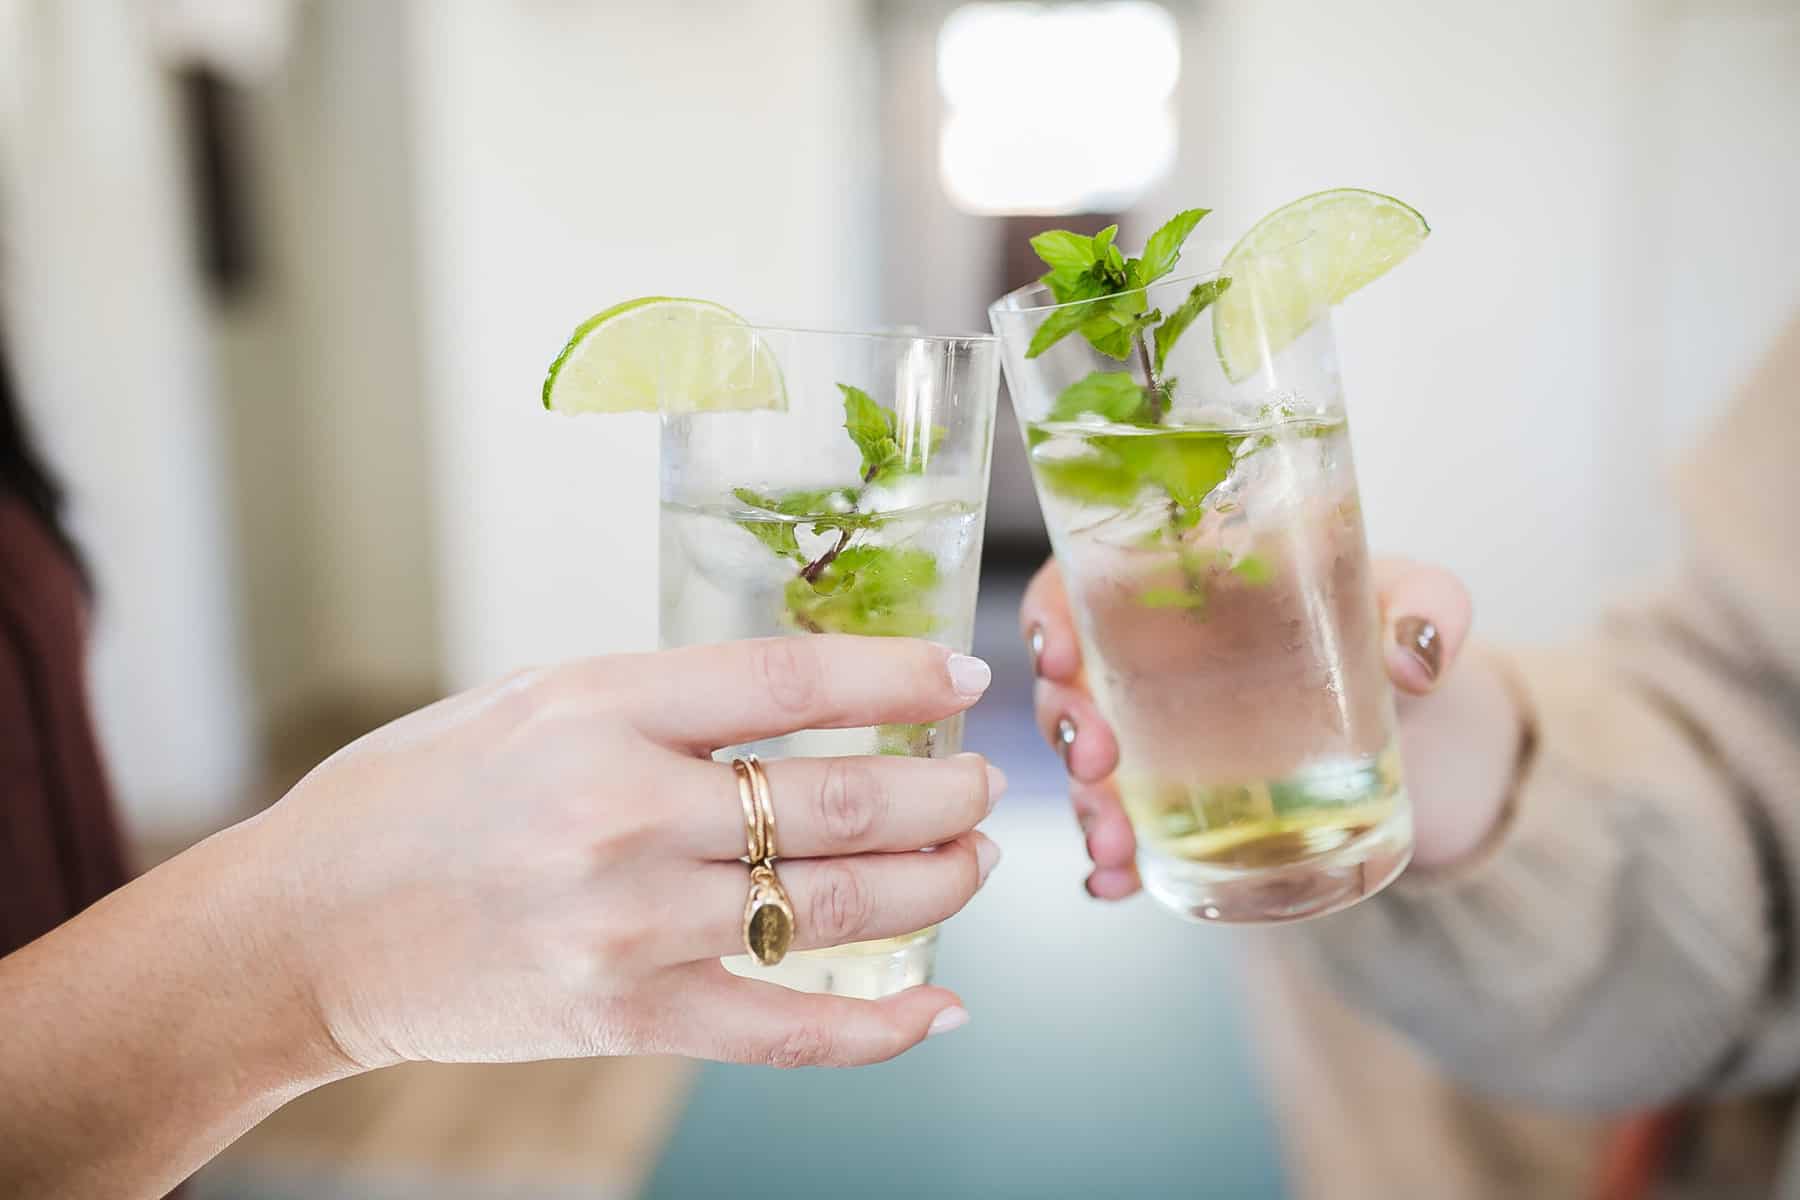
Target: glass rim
x: 883, y: 333
x: 1000, y: 306
x: 1213, y: 272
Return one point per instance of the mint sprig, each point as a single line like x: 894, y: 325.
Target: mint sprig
x: 852, y: 587
x: 1104, y: 292
x: 1108, y: 286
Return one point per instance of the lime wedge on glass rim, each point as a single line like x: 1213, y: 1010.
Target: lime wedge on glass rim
x: 660, y: 353
x: 1348, y: 237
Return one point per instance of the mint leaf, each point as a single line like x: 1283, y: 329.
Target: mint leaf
x: 1204, y: 293
x: 1095, y: 476
x: 1253, y: 570
x: 1064, y: 321
x: 1186, y: 464
x: 1184, y: 518
x: 1060, y: 249
x: 852, y: 521
x: 871, y: 427
x: 1163, y: 249
x: 1067, y: 284
x: 1090, y: 480
x: 877, y: 591
x: 1111, y: 395
x: 1103, y: 242
x: 777, y: 536
x: 830, y: 503
x: 1116, y: 339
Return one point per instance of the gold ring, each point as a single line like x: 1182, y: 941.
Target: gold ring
x: 753, y: 832
x: 768, y: 912
x: 765, y: 808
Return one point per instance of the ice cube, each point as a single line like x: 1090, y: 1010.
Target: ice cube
x: 728, y: 555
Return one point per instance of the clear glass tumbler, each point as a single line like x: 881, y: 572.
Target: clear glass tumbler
x: 1211, y: 541
x: 847, y: 496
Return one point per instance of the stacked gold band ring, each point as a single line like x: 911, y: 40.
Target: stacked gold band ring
x: 768, y: 913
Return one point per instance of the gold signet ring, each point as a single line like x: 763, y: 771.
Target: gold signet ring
x: 768, y: 912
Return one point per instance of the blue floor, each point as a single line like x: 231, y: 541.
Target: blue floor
x: 1106, y: 1057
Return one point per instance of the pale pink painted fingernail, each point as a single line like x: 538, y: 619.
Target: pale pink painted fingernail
x: 954, y: 1017
x: 969, y: 675
x: 987, y: 856
x: 996, y: 785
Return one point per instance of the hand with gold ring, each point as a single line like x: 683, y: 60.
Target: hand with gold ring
x: 547, y: 867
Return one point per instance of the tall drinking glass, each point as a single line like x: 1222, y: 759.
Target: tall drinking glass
x: 1213, y: 552
x: 847, y: 496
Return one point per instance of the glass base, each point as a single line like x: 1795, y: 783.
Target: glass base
x: 1309, y: 887
x: 864, y: 971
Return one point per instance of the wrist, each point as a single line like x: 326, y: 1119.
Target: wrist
x: 261, y: 929
x: 1464, y: 747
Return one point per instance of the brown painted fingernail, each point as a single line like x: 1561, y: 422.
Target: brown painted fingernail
x: 1065, y: 738
x: 1419, y: 638
x: 1034, y: 641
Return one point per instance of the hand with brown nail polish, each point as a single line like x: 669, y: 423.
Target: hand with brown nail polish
x: 1458, y: 726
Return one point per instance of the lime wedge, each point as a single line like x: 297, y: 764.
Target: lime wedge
x: 660, y: 353
x: 1344, y: 238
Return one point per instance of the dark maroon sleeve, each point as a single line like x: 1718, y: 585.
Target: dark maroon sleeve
x: 60, y: 848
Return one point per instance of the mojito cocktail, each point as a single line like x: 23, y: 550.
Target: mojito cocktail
x: 847, y: 499
x: 1188, y: 441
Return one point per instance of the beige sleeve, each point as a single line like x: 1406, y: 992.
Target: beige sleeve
x: 1631, y: 936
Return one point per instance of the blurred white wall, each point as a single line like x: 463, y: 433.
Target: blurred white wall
x: 1608, y: 185
x: 571, y: 156
x: 117, y: 376
x: 321, y: 361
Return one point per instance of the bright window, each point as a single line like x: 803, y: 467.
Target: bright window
x: 1034, y: 123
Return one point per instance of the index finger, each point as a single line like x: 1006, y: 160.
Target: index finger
x: 1049, y: 626
x: 704, y: 697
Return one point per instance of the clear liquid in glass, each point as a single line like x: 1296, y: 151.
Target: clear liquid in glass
x: 1235, y: 649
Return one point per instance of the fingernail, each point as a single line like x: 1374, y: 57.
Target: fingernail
x: 996, y: 785
x: 1035, y: 643
x: 1419, y: 638
x: 954, y: 1017
x: 1084, y: 817
x: 969, y: 675
x: 987, y: 855
x: 1065, y: 738
x: 1087, y: 885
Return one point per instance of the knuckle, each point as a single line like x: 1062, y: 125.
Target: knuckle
x: 789, y: 673
x: 851, y: 801
x: 841, y: 905
x: 804, y: 1046
x: 929, y: 674
x: 625, y: 945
